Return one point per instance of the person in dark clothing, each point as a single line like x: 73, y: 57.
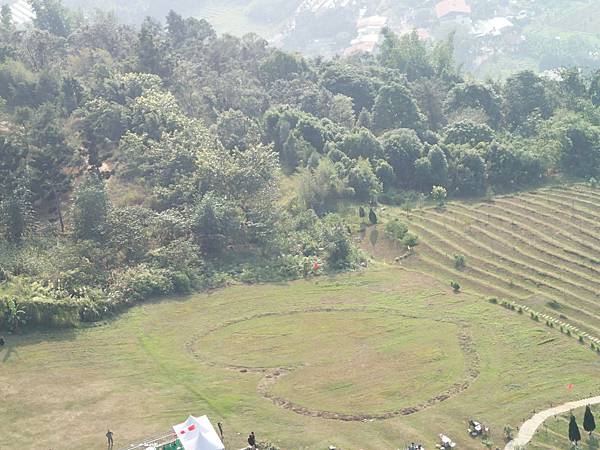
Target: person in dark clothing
x: 220, y: 425
x: 1, y: 341
x: 252, y: 440
x: 109, y: 436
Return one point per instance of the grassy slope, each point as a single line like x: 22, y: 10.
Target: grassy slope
x: 541, y: 249
x: 137, y: 375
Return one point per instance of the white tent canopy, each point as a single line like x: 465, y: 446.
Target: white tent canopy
x: 197, y: 433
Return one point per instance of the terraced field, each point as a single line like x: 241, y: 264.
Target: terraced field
x: 539, y: 249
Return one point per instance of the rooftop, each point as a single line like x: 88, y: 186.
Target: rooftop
x: 447, y: 7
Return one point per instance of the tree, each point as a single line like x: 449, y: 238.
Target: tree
x: 439, y: 166
x: 216, y: 221
x: 16, y: 215
x: 438, y: 195
x: 372, y: 217
x: 52, y: 16
x: 364, y: 182
x: 361, y: 143
x: 365, y: 119
x: 361, y: 212
x: 395, y: 108
x: 236, y: 130
x: 280, y: 65
x: 467, y: 132
x: 90, y: 210
x: 342, y: 111
x: 336, y: 240
x: 574, y: 433
x: 385, y: 173
x: 524, y: 94
x: 589, y: 424
x: 153, y: 50
x: 423, y: 180
x: 406, y: 53
x: 402, y: 148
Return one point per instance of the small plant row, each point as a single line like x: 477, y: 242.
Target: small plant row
x: 551, y: 322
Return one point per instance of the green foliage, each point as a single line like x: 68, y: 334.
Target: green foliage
x: 589, y: 423
x: 395, y: 108
x: 410, y: 240
x: 455, y: 287
x: 574, y: 433
x: 90, y: 209
x: 338, y: 249
x: 459, y: 262
x: 396, y: 230
x: 364, y: 182
x: 372, y: 217
x: 438, y: 195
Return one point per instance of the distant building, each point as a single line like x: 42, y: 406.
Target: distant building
x: 453, y: 10
x: 369, y: 34
x: 22, y: 13
x: 491, y: 27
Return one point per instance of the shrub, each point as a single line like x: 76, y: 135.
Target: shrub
x: 459, y: 261
x: 410, y: 239
x: 455, y: 286
x: 396, y: 230
x: 493, y: 300
x: 520, y: 310
x: 508, y: 433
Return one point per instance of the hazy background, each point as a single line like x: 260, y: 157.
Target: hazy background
x: 496, y: 37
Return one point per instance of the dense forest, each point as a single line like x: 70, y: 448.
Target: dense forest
x: 138, y: 162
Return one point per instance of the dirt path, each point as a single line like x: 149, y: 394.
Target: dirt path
x: 529, y: 428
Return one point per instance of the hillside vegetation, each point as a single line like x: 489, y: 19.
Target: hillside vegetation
x: 142, y: 161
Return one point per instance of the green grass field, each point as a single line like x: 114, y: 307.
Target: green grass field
x: 288, y: 361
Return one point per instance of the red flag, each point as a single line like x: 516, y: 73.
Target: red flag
x: 570, y: 387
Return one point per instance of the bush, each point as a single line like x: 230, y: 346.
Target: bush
x: 396, y: 230
x: 139, y: 283
x: 410, y: 239
x: 493, y: 300
x: 455, y: 286
x: 459, y: 262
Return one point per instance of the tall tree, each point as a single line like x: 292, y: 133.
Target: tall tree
x: 589, y: 423
x: 395, y: 108
x: 574, y: 433
x: 90, y: 209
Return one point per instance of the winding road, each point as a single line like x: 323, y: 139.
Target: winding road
x: 529, y: 428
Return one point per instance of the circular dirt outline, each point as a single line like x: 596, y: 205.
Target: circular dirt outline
x: 271, y: 375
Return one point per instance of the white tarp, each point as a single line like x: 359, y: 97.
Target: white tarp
x: 197, y: 433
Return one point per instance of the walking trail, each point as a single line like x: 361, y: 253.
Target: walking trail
x: 528, y: 429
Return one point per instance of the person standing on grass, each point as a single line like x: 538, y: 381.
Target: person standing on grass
x: 109, y: 437
x: 252, y: 440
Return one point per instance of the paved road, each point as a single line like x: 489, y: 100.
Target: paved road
x: 528, y: 429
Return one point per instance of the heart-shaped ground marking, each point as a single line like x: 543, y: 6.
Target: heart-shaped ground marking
x: 346, y: 364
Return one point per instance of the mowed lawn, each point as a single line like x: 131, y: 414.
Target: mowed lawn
x: 370, y: 342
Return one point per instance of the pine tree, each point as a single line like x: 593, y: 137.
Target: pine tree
x: 361, y: 212
x: 372, y: 217
x: 574, y: 434
x: 589, y: 424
